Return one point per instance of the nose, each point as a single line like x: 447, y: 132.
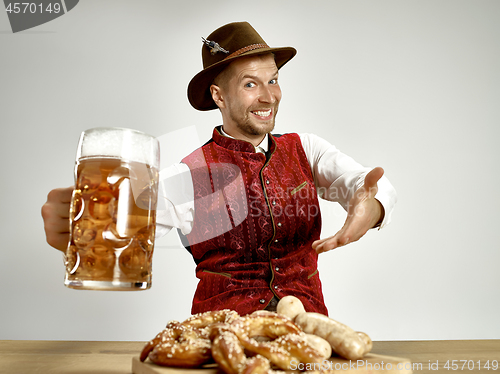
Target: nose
x: 267, y: 95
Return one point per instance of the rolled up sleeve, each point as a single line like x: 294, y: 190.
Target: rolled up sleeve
x: 175, y: 200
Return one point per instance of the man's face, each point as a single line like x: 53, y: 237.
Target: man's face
x: 249, y: 97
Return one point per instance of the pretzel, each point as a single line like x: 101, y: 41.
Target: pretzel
x: 204, y: 322
x: 286, y: 344
x: 181, y: 346
x: 228, y: 352
x: 186, y: 344
x: 253, y: 344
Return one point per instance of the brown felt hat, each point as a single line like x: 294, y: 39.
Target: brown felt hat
x: 224, y: 45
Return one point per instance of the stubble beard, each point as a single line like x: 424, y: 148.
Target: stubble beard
x: 251, y: 126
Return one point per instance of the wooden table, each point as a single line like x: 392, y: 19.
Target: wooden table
x: 75, y: 357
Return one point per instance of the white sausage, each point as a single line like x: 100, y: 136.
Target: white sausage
x: 320, y: 344
x: 344, y: 341
x: 290, y: 306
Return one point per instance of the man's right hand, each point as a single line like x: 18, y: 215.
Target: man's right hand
x: 55, y: 213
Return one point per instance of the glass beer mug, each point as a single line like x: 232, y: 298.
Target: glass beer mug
x: 113, y: 211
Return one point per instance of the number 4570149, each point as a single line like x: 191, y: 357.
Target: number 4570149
x: 32, y: 8
x: 470, y: 365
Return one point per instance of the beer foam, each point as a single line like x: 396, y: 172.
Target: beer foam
x: 123, y: 143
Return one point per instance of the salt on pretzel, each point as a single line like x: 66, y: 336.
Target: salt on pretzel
x: 181, y: 346
x: 228, y: 352
x: 205, y: 319
x: 204, y: 322
x: 287, y: 344
x: 186, y: 344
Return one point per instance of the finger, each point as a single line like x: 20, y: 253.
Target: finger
x: 56, y: 225
x: 61, y: 210
x: 331, y: 239
x: 318, y: 242
x: 60, y: 195
x: 335, y: 241
x: 58, y: 241
x: 330, y: 244
x: 54, y: 211
x: 56, y: 231
x: 373, y: 177
x: 57, y: 205
x: 317, y: 245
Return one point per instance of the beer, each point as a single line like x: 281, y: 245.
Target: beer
x: 112, y: 224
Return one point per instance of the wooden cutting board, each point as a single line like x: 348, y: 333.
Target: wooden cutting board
x: 371, y: 363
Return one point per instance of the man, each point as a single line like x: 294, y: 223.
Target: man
x: 255, y: 234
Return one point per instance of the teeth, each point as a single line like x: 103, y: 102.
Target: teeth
x: 261, y: 113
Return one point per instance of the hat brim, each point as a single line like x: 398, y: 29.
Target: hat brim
x: 199, y: 88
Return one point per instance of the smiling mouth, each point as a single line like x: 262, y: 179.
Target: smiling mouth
x: 263, y: 113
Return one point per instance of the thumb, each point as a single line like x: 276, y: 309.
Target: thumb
x: 373, y: 177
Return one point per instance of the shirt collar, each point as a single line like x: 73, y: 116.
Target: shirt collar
x: 262, y: 147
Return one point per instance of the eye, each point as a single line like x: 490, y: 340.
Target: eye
x: 250, y: 85
x: 273, y: 81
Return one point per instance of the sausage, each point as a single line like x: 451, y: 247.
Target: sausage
x: 344, y: 341
x: 290, y: 306
x: 320, y: 344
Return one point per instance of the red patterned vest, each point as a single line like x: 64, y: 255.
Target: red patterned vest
x: 254, y: 222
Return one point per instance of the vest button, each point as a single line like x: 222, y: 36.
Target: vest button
x: 279, y: 224
x: 262, y: 301
x: 267, y: 181
x: 277, y: 268
x: 276, y: 240
x: 275, y: 287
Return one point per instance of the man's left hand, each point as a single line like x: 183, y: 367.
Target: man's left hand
x: 364, y: 212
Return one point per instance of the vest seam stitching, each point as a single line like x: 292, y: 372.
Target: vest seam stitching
x: 217, y: 273
x: 313, y: 274
x: 298, y: 188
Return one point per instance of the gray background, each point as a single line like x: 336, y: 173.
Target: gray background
x: 413, y: 86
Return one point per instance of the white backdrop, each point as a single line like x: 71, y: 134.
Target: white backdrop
x: 412, y: 86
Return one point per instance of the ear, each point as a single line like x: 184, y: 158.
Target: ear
x: 216, y: 93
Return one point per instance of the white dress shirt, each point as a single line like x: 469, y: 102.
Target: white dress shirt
x: 336, y: 176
